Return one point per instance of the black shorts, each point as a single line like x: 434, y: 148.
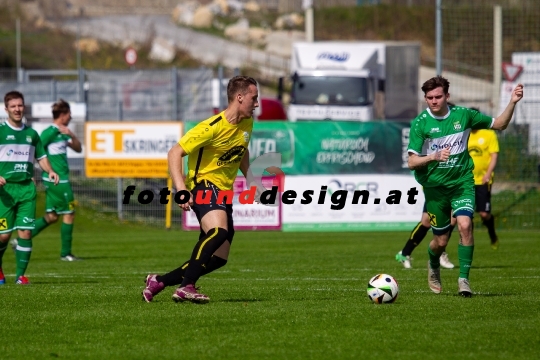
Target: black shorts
x: 483, y: 198
x: 203, y: 209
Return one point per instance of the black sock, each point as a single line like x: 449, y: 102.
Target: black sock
x: 490, y: 224
x: 176, y: 276
x: 416, y: 237
x: 450, y: 230
x: 202, y: 253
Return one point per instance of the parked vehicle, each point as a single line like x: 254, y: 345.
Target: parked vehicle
x: 356, y: 81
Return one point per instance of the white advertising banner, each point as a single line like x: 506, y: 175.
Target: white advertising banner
x: 383, y: 210
x: 528, y: 109
x: 246, y: 216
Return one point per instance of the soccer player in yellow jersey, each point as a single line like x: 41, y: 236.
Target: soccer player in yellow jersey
x: 484, y: 149
x: 216, y: 149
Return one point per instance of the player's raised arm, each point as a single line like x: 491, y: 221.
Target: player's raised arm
x: 501, y: 122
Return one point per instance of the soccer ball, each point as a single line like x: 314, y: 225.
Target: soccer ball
x: 382, y: 289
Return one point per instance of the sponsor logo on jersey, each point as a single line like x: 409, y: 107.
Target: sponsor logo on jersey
x: 17, y: 152
x: 432, y: 219
x: 246, y: 136
x: 435, y: 130
x: 457, y: 125
x: 447, y: 145
x: 20, y: 167
x: 232, y: 156
x: 10, y: 137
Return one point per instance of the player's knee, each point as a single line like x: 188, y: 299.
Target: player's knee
x: 220, y: 262
x: 214, y: 239
x: 464, y: 223
x: 484, y: 215
x: 68, y: 218
x: 4, y: 238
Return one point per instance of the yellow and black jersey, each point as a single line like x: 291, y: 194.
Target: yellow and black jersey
x: 482, y: 143
x: 215, y: 149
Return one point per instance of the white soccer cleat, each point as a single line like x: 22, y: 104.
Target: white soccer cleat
x: 434, y: 279
x: 405, y: 260
x: 445, y: 262
x: 464, y: 288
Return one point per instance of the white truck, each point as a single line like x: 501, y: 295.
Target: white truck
x: 354, y: 81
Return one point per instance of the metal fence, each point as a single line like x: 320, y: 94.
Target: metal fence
x: 468, y: 60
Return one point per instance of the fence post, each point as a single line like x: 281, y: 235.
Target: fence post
x: 175, y: 93
x: 81, y: 84
x: 53, y: 90
x: 438, y: 38
x: 220, y: 87
x: 497, y: 57
x: 120, y: 181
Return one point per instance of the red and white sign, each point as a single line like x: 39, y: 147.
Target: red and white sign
x: 247, y: 216
x: 130, y: 56
x: 511, y: 71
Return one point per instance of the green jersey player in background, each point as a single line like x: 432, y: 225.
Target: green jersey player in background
x: 19, y: 146
x: 60, y: 201
x: 442, y: 165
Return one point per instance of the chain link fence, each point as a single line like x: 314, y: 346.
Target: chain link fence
x: 468, y: 61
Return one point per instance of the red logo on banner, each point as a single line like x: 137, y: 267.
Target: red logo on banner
x: 511, y: 71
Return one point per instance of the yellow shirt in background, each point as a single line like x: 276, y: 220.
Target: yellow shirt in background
x: 482, y: 143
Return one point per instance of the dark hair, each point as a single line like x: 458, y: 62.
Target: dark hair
x: 239, y: 84
x: 13, y: 95
x: 435, y: 82
x: 60, y: 107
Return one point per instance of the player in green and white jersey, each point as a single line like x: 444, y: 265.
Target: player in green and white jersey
x: 439, y: 156
x: 60, y: 201
x: 19, y: 146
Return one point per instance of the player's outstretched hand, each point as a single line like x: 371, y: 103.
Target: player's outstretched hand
x: 442, y: 155
x: 517, y: 94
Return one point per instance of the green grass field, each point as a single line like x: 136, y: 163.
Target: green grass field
x: 293, y: 295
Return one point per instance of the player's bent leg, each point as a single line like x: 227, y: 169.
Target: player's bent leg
x: 435, y: 249
x: 66, y: 236
x: 201, y: 255
x: 22, y: 256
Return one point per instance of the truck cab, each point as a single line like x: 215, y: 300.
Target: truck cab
x: 354, y: 81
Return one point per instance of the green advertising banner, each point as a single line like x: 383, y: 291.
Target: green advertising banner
x: 332, y: 147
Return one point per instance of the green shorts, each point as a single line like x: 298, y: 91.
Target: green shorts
x: 17, y: 206
x: 441, y: 202
x: 59, y: 198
